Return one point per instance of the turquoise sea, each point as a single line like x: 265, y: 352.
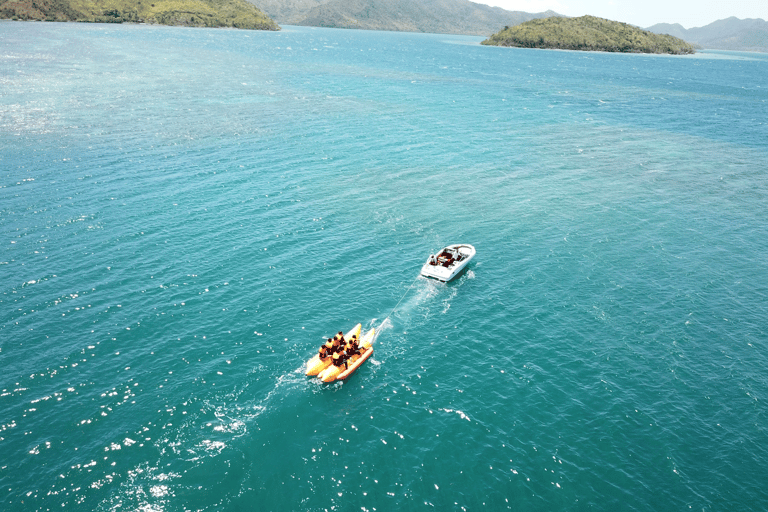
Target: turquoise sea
x: 186, y: 214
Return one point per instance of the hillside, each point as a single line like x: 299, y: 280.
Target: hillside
x: 587, y: 33
x: 728, y: 34
x: 672, y: 29
x: 434, y: 16
x: 196, y: 13
x: 287, y: 12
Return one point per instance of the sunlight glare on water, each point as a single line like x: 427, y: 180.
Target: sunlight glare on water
x: 188, y: 213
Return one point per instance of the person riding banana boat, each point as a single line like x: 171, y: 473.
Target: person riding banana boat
x: 345, y: 352
x: 331, y: 346
x: 352, y: 348
x: 326, y: 349
x: 340, y: 359
x: 343, y: 356
x: 355, y: 352
x: 324, y: 355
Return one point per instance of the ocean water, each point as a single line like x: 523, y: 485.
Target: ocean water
x: 185, y: 214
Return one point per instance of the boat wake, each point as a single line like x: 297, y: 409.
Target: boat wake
x: 222, y: 426
x: 424, y: 298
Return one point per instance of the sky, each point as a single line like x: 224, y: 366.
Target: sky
x: 644, y: 13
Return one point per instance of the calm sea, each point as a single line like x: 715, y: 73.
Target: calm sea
x: 185, y: 214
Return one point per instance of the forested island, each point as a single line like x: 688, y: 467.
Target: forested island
x: 432, y: 16
x: 193, y: 13
x: 588, y: 33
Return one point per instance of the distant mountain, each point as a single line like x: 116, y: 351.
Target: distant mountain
x: 194, y: 13
x: 728, y: 34
x: 434, y: 16
x: 588, y: 33
x: 672, y: 29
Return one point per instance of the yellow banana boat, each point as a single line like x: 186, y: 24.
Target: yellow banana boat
x: 317, y: 365
x: 332, y: 373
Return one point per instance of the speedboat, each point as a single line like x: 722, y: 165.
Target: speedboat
x: 449, y: 262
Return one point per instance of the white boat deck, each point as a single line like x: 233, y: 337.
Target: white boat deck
x: 449, y: 262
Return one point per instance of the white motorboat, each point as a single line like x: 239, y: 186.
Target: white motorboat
x: 449, y: 262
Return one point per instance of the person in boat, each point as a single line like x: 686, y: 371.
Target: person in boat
x: 445, y: 258
x: 352, y: 340
x: 352, y: 348
x: 339, y: 359
x: 326, y: 349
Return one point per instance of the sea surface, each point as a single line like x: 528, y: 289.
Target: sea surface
x: 186, y: 214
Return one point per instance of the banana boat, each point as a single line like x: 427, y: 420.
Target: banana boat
x: 332, y: 373
x: 356, y: 364
x: 317, y: 365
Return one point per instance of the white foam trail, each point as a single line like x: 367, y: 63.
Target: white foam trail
x: 385, y: 325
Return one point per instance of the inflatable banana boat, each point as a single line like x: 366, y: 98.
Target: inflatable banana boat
x: 332, y: 373
x: 317, y: 365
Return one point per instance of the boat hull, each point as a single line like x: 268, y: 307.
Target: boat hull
x: 446, y: 273
x: 317, y: 365
x: 354, y: 366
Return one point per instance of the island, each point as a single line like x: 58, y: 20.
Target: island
x: 588, y: 33
x: 192, y: 13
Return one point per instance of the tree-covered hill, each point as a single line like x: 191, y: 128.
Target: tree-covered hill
x: 195, y: 13
x: 434, y: 16
x: 588, y: 33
